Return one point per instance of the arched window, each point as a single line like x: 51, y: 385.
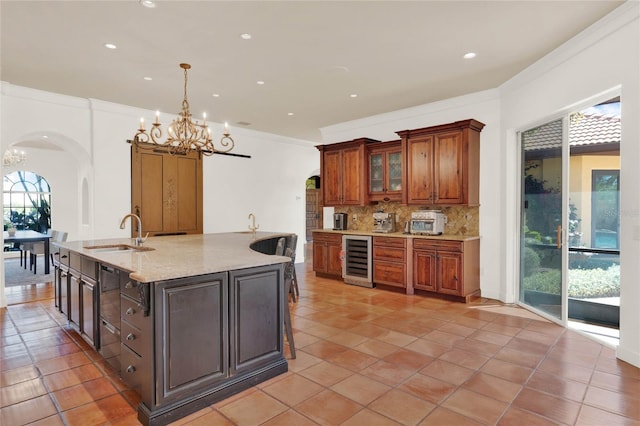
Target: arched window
x: 27, y: 201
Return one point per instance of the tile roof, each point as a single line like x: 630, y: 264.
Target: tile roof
x: 585, y: 130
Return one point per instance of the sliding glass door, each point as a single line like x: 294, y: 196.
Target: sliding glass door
x: 542, y: 255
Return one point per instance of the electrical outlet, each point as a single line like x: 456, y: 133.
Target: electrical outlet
x: 355, y: 217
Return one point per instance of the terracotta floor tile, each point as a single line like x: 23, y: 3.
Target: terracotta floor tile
x: 527, y: 346
x: 48, y: 352
x: 293, y: 389
x: 402, y: 407
x: 376, y: 348
x: 353, y: 360
x: 523, y: 359
x: 625, y: 405
x: 302, y: 361
x: 10, y: 351
x: 396, y: 338
x: 428, y: 347
x: 427, y: 388
x: 534, y: 336
x: 27, y: 411
x: 22, y: 391
x: 448, y: 372
x: 253, y: 408
x: 517, y: 417
x: 83, y: 393
x: 443, y: 417
x: 387, y: 373
x: 477, y: 346
x: 62, y: 363
x: 99, y: 412
x: 591, y: 416
x: 464, y: 358
x: 493, y: 387
x: 303, y: 339
x: 409, y: 359
x: 323, y: 349
x: 442, y: 338
x: 490, y: 337
x: 74, y: 376
x: 555, y: 385
x: 622, y: 384
x: 501, y: 329
x: 557, y: 409
x: 328, y: 408
x: 475, y: 406
x: 457, y: 329
x: 18, y: 375
x: 368, y: 417
x: 55, y: 420
x: 566, y: 369
x: 288, y: 418
x: 325, y: 373
x: 361, y: 389
x: 506, y: 370
x: 10, y: 340
x: 369, y: 330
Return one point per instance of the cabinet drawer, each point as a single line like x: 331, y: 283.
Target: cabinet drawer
x: 75, y: 261
x: 390, y: 242
x: 389, y: 273
x: 325, y: 237
x: 132, y: 368
x: 129, y: 287
x: 132, y: 312
x: 389, y: 253
x: 64, y: 256
x: 134, y: 339
x: 426, y: 244
x: 90, y: 268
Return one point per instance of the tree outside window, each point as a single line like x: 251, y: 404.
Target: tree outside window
x: 27, y: 201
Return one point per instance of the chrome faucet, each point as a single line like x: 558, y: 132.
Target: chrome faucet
x: 253, y: 225
x: 139, y: 240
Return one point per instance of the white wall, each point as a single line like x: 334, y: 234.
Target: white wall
x: 89, y: 137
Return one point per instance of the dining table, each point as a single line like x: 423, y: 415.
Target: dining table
x: 31, y: 237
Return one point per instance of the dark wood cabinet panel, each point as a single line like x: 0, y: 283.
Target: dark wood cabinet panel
x: 166, y: 190
x: 89, y: 312
x: 327, y: 248
x: 443, y: 163
x: 447, y: 267
x: 343, y: 173
x: 389, y: 261
x: 194, y: 317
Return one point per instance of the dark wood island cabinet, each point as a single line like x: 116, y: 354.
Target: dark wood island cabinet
x: 186, y: 340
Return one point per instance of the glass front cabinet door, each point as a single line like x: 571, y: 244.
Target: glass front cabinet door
x: 385, y: 172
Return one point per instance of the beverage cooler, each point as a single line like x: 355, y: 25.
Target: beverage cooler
x: 356, y: 266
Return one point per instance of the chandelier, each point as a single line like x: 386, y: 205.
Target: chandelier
x: 13, y: 158
x: 183, y: 134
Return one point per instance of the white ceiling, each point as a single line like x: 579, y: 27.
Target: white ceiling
x: 312, y: 55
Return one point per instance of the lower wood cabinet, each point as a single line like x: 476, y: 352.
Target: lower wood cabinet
x: 389, y: 261
x: 327, y: 247
x: 447, y: 267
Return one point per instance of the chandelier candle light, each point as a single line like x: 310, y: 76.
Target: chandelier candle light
x: 183, y: 134
x: 13, y: 158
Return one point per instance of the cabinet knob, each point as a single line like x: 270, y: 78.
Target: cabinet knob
x: 130, y: 311
x: 131, y: 336
x: 129, y: 284
x: 131, y: 369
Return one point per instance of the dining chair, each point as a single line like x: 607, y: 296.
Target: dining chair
x: 38, y: 248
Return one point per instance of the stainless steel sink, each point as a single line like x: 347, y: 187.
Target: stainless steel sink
x: 117, y: 248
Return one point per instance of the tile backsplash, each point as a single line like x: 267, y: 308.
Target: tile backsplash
x: 461, y: 220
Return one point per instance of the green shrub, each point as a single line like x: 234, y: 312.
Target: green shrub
x: 583, y: 283
x: 531, y: 261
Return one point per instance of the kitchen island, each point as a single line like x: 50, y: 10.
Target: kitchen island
x: 187, y: 320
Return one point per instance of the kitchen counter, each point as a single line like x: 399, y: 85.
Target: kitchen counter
x: 402, y: 235
x: 180, y: 256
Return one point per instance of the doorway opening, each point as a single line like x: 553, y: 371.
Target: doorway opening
x: 313, y: 212
x: 570, y: 219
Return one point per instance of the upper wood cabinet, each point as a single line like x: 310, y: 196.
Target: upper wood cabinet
x: 385, y: 171
x: 166, y: 191
x: 443, y: 163
x: 343, y: 171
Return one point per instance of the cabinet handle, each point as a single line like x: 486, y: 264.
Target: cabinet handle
x: 131, y: 369
x: 129, y: 284
x: 130, y: 311
x: 131, y: 336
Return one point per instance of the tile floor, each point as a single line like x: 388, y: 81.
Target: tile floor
x: 364, y: 357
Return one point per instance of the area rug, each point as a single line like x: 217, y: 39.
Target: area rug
x: 15, y: 275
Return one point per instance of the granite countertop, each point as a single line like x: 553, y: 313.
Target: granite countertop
x: 181, y: 256
x: 403, y: 235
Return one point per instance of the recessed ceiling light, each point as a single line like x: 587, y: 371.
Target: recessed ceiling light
x: 148, y: 78
x: 148, y: 3
x: 469, y: 55
x: 353, y: 95
x: 216, y: 95
x: 45, y: 137
x: 260, y: 82
x: 245, y: 36
x: 110, y: 46
x: 289, y: 113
